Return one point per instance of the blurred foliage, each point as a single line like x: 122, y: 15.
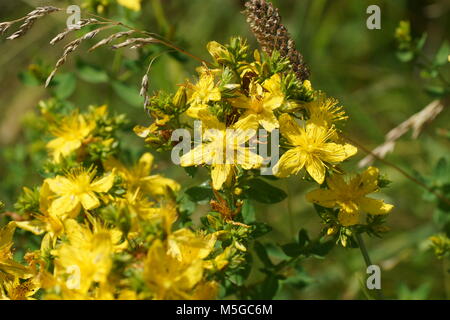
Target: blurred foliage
x: 358, y: 66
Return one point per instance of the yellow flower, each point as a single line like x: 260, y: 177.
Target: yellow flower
x: 223, y: 149
x: 206, y: 291
x: 186, y: 246
x: 219, y: 52
x: 325, y: 111
x: 205, y: 90
x: 311, y: 149
x: 86, y: 258
x: 169, y: 278
x: 77, y: 189
x: 138, y: 176
x: 261, y: 104
x: 350, y: 196
x: 10, y: 269
x: 134, y: 5
x: 70, y: 133
x: 18, y: 290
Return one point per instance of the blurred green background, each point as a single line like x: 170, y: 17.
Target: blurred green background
x: 356, y: 65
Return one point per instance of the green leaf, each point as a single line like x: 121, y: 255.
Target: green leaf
x: 66, y: 84
x: 191, y: 171
x: 303, y: 238
x: 269, y: 288
x: 248, y: 211
x: 200, y: 193
x: 29, y: 79
x: 292, y: 249
x: 299, y: 279
x: 435, y: 91
x: 262, y: 254
x: 405, y: 56
x: 263, y: 192
x: 442, y: 54
x: 128, y: 94
x: 441, y: 172
x: 90, y: 73
x: 260, y: 229
x: 420, y: 44
x: 321, y: 249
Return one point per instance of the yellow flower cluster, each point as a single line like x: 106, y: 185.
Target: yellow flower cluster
x: 111, y: 230
x: 233, y: 98
x: 108, y: 230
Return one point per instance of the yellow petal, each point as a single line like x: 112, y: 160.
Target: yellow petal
x: 64, y: 204
x: 316, y: 169
x: 220, y: 174
x: 89, y: 201
x: 104, y: 184
x: 216, y: 50
x: 134, y: 5
x: 369, y: 179
x: 268, y: 120
x: 196, y: 156
x: 322, y: 197
x: 145, y: 164
x: 349, y: 214
x: 337, y: 183
x: 291, y: 162
x: 34, y: 226
x: 59, y: 185
x: 290, y: 129
x: 374, y: 206
x: 273, y: 84
x: 272, y: 102
x: 158, y: 185
x: 241, y: 102
x: 248, y: 159
x: 333, y: 152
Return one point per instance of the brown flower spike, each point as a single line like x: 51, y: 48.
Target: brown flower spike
x: 265, y: 23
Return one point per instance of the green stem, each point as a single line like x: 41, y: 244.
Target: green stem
x: 290, y: 214
x: 365, y: 254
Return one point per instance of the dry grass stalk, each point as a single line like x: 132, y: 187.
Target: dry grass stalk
x: 265, y: 23
x: 71, y: 47
x: 111, y: 38
x: 415, y: 123
x: 79, y: 25
x: 30, y: 19
x: 135, y: 42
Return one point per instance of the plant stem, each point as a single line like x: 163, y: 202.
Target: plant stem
x: 365, y: 254
x: 290, y: 214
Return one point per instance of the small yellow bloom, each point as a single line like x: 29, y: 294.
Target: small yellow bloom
x: 350, y: 196
x: 312, y: 149
x: 70, y: 133
x: 10, y: 269
x: 186, y: 246
x: 169, y: 278
x: 18, y: 290
x: 134, y: 5
x: 224, y: 149
x: 261, y: 104
x: 206, y: 291
x: 86, y: 258
x: 205, y: 90
x: 138, y: 176
x: 77, y: 189
x: 325, y: 111
x: 219, y: 52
